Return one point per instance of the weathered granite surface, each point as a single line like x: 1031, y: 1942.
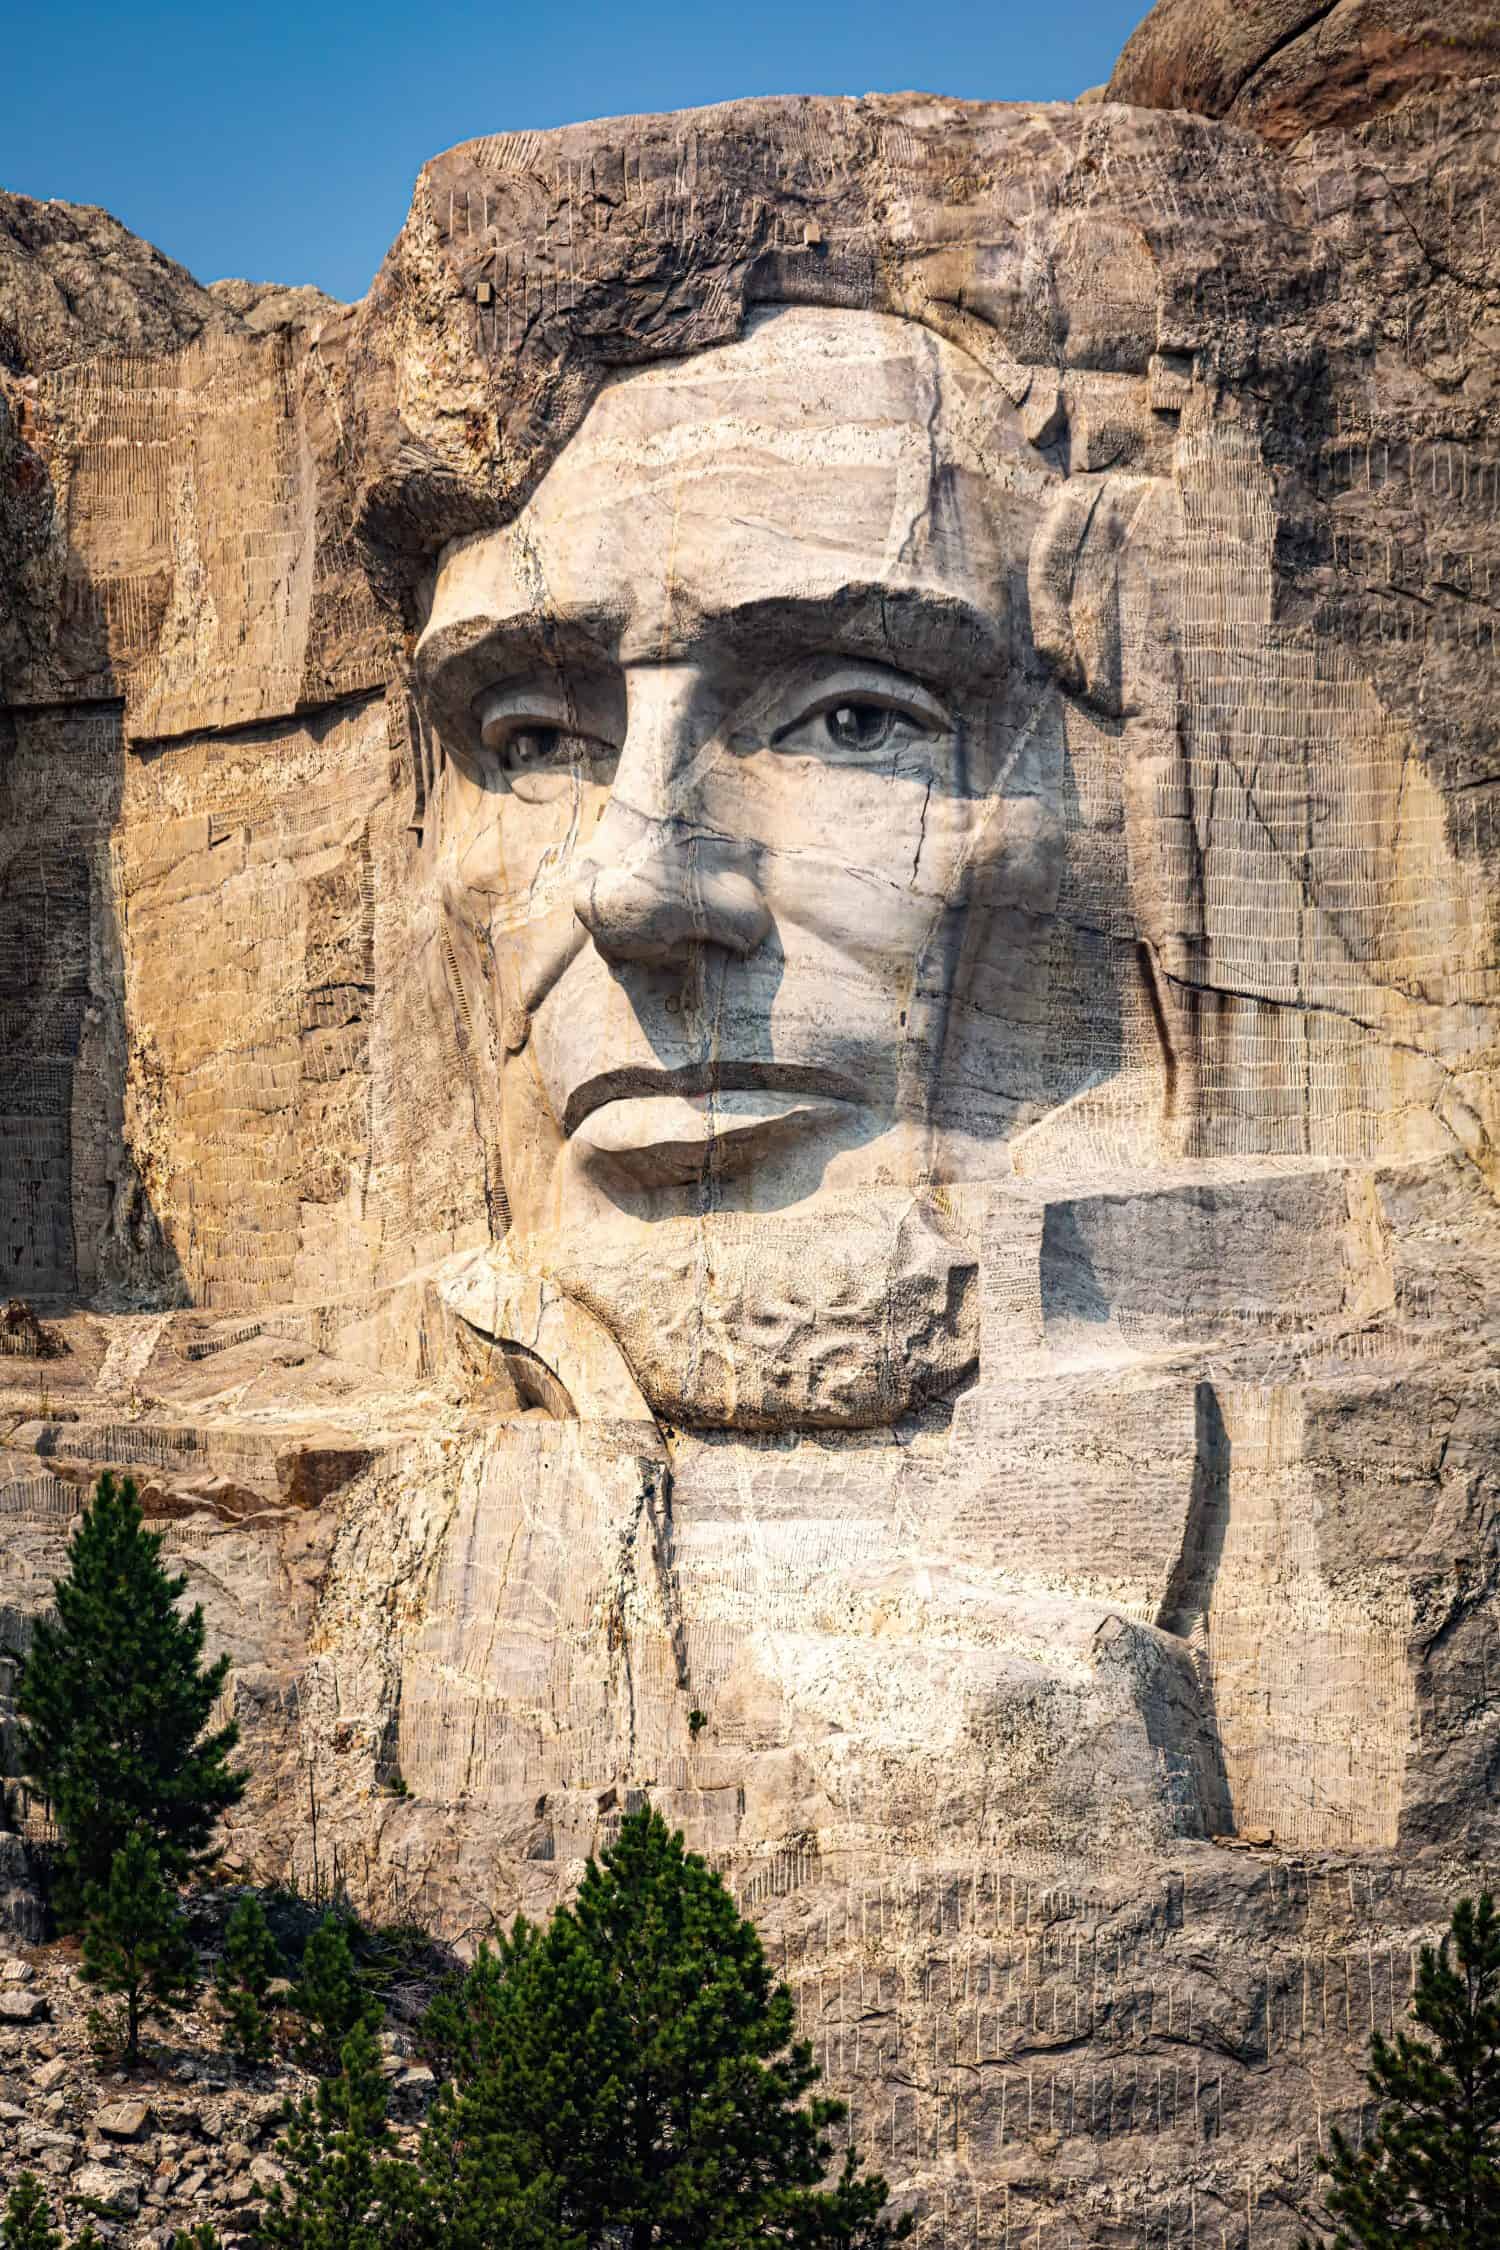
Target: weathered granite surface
x: 1286, y: 67
x: 748, y: 988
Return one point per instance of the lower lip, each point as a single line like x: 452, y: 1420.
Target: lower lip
x: 672, y: 1140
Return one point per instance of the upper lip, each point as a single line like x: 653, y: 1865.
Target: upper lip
x: 634, y: 1083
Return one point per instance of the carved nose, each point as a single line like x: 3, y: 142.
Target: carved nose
x: 666, y: 896
x: 656, y: 881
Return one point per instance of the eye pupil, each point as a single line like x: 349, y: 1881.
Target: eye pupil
x: 532, y: 746
x: 859, y: 726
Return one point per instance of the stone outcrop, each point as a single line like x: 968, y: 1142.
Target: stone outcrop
x: 748, y: 992
x: 74, y: 283
x: 1286, y: 67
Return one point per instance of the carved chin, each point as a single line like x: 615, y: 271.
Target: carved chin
x: 845, y: 1315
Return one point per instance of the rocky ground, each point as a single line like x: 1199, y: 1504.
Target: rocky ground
x: 186, y: 2138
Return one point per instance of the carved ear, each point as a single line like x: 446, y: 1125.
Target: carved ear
x: 1077, y: 559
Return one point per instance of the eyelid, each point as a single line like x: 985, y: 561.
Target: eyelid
x: 845, y: 682
x: 516, y: 708
x: 500, y: 712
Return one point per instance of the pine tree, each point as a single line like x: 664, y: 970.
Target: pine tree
x: 1429, y: 2174
x: 330, y: 1997
x: 135, y: 1942
x: 629, y: 2075
x: 27, y: 2223
x: 251, y: 1959
x: 200, y: 2237
x: 335, y: 2153
x: 114, y: 1700
x: 462, y: 2018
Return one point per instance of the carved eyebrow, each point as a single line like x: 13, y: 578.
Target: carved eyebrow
x: 457, y: 661
x: 928, y: 631
x: 920, y: 629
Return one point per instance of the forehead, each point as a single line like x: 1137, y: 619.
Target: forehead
x: 819, y: 451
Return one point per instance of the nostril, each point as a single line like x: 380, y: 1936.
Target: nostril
x: 662, y: 908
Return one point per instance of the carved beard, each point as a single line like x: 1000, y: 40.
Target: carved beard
x: 846, y: 1314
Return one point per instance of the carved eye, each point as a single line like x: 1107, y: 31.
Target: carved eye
x: 537, y: 761
x: 531, y: 747
x: 860, y: 726
x: 851, y: 710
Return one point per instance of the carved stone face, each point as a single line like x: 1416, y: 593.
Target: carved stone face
x: 747, y: 790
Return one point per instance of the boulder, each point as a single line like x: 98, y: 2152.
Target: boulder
x: 123, y: 2121
x: 103, y: 2188
x: 22, y: 2007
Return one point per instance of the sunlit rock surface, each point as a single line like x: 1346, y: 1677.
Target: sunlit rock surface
x: 747, y: 1045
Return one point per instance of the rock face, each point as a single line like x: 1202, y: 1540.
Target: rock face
x: 748, y: 979
x: 75, y: 283
x: 1286, y: 67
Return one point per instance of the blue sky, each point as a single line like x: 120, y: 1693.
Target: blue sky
x: 280, y: 142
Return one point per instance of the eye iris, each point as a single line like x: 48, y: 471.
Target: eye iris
x: 859, y: 726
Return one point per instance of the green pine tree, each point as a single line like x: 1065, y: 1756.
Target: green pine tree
x: 629, y: 2075
x: 335, y: 2151
x: 135, y: 1941
x: 200, y: 2237
x: 251, y: 1959
x: 114, y: 1700
x: 27, y: 2223
x: 330, y: 1996
x: 1429, y: 2174
x: 462, y: 2019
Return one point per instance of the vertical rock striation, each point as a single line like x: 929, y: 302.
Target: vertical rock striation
x: 747, y: 1043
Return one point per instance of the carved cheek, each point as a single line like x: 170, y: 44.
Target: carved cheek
x: 516, y: 853
x: 1017, y: 860
x: 473, y: 860
x: 866, y: 875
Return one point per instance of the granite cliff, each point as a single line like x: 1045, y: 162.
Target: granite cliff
x: 747, y: 1044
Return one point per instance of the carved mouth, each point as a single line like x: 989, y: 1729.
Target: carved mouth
x: 712, y: 1079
